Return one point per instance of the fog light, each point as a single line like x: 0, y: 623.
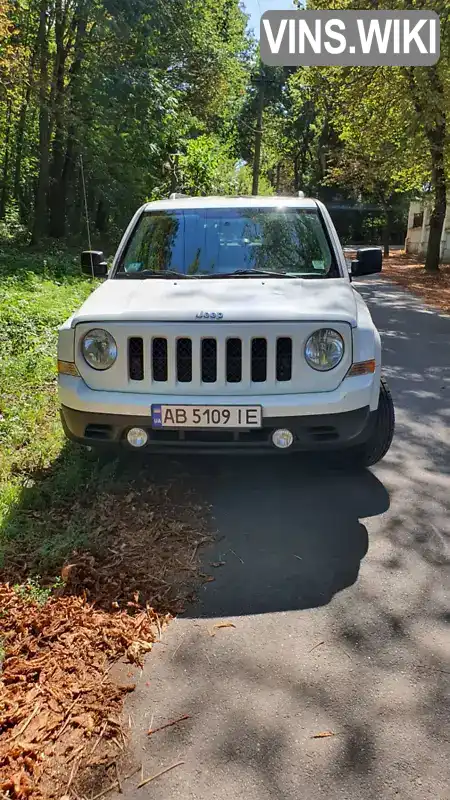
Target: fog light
x: 137, y: 437
x: 283, y: 439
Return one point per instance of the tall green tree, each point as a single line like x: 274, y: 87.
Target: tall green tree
x: 120, y: 87
x: 419, y: 99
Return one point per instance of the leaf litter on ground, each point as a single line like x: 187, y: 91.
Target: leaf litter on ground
x: 60, y: 708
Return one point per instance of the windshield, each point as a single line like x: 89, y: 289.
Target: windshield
x: 200, y: 243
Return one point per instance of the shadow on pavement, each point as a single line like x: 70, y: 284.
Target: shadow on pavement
x: 289, y: 533
x: 291, y: 536
x: 417, y: 365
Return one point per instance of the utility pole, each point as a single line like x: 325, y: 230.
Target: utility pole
x: 258, y: 136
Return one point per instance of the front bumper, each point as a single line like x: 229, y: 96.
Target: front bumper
x: 319, y: 421
x: 352, y: 393
x: 312, y: 432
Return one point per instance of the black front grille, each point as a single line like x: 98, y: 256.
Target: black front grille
x: 209, y: 361
x: 234, y: 361
x: 284, y: 359
x: 184, y: 370
x: 159, y: 360
x: 184, y: 360
x: 136, y: 358
x: 259, y: 360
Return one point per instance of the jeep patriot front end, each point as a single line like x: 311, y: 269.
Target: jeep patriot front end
x: 227, y: 323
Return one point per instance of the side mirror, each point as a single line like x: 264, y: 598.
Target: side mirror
x: 369, y: 260
x: 93, y: 264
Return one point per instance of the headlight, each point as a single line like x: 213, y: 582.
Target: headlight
x: 324, y: 350
x: 99, y: 349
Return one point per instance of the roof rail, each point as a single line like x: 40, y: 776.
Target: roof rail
x: 177, y: 196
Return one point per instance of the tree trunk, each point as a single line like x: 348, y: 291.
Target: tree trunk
x: 386, y: 239
x: 436, y: 134
x: 68, y: 163
x: 101, y: 217
x: 297, y: 173
x: 174, y: 161
x: 19, y: 151
x: 434, y: 242
x: 20, y: 133
x: 57, y: 205
x: 5, y: 170
x: 40, y: 209
x: 258, y: 139
x: 386, y: 235
x: 436, y: 137
x: 278, y: 178
x: 322, y: 148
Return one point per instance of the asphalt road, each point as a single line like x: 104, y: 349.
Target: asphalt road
x: 337, y: 585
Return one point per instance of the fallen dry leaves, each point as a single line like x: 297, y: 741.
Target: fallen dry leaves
x: 409, y: 272
x: 53, y: 693
x: 59, y: 708
x: 146, y: 550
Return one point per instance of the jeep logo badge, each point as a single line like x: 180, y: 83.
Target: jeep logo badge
x: 209, y: 315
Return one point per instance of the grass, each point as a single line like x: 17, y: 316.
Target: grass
x: 61, y: 506
x: 40, y: 474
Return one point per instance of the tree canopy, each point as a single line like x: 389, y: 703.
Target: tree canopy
x: 132, y: 100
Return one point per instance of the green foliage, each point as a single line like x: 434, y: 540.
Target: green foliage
x: 209, y: 167
x: 242, y: 183
x: 48, y: 487
x: 382, y: 149
x: 33, y: 592
x: 206, y: 167
x: 125, y: 86
x: 39, y: 295
x: 12, y: 231
x: 391, y: 123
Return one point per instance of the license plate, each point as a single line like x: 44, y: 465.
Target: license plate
x: 206, y: 416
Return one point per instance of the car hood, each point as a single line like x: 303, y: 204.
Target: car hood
x: 236, y: 299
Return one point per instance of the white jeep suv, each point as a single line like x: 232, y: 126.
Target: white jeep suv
x: 227, y: 324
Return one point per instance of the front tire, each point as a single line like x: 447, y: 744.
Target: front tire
x: 380, y: 440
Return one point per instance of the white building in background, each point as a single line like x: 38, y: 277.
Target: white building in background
x: 419, y: 231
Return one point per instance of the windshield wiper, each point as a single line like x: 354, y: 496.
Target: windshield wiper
x: 265, y: 273
x: 249, y: 272
x: 148, y: 273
